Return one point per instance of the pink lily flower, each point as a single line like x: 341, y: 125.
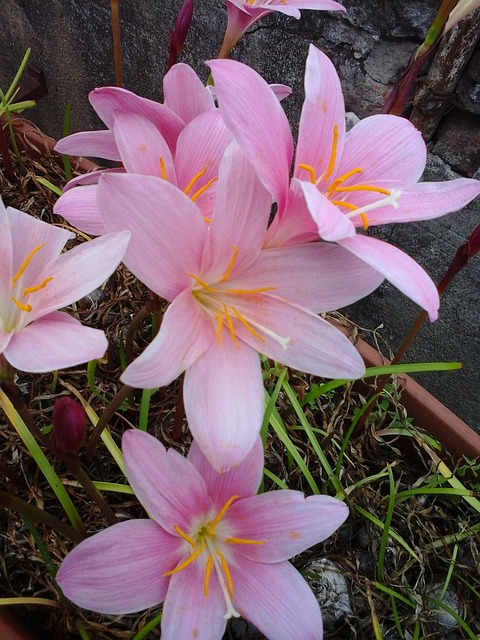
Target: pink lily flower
x: 36, y: 279
x: 143, y: 150
x: 230, y: 299
x: 243, y: 13
x: 342, y: 181
x: 212, y: 550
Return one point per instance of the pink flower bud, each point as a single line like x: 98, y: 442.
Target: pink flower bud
x: 179, y: 34
x: 69, y: 423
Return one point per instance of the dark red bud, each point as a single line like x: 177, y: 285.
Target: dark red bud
x: 474, y: 242
x: 179, y: 34
x: 69, y: 424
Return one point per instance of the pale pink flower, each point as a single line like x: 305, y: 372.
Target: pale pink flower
x: 243, y: 13
x: 36, y: 279
x: 230, y: 299
x: 138, y: 138
x: 342, y: 181
x: 212, y: 550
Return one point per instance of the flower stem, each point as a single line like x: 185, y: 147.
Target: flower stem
x: 104, y: 418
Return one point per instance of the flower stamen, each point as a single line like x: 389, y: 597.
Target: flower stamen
x: 208, y: 571
x: 231, y: 328
x: 218, y: 332
x: 21, y: 306
x: 234, y: 540
x: 342, y: 178
x: 310, y: 170
x: 202, y: 283
x: 185, y: 536
x: 363, y: 187
x: 196, y: 177
x: 188, y: 561
x: 220, y: 514
x: 245, y: 323
x: 203, y: 189
x: 163, y: 171
x: 42, y: 285
x: 25, y: 263
x: 227, y: 573
x: 333, y: 154
x: 228, y: 271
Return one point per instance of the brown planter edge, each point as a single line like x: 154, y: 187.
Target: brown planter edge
x: 428, y: 412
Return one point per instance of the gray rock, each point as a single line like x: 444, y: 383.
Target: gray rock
x: 327, y: 580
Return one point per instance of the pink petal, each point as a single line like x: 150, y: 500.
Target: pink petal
x: 28, y: 233
x: 263, y: 132
x: 289, y: 523
x: 242, y: 481
x: 200, y: 148
x: 97, y: 144
x: 185, y: 94
x: 427, y: 200
x: 401, y: 270
x: 90, y: 178
x: 331, y: 223
x: 277, y: 600
x: 119, y: 570
x: 4, y: 340
x: 79, y: 208
x: 325, y: 5
x: 154, y: 474
x: 142, y: 147
x: 385, y: 147
x: 305, y: 341
x: 6, y: 254
x: 335, y: 278
x: 322, y: 111
x: 240, y: 219
x: 78, y: 272
x: 295, y: 225
x: 185, y: 334
x: 224, y: 400
x: 168, y: 230
x: 187, y: 613
x: 107, y: 100
x: 56, y: 341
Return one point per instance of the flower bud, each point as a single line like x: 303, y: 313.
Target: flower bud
x: 179, y: 34
x: 69, y: 423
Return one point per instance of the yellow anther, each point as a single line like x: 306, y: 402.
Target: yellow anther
x: 220, y: 514
x: 202, y: 189
x: 230, y: 325
x: 230, y: 265
x: 202, y: 283
x: 364, y: 187
x: 184, y: 564
x: 333, y: 154
x: 244, y: 541
x: 342, y: 203
x: 310, y: 170
x: 163, y: 171
x: 364, y: 220
x: 218, y: 332
x: 185, y: 536
x: 342, y: 178
x: 21, y: 306
x: 208, y: 571
x: 226, y: 571
x: 207, y: 220
x: 196, y: 177
x: 25, y: 263
x: 249, y: 291
x: 42, y: 285
x: 247, y: 325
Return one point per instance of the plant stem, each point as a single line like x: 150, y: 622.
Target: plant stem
x: 104, y: 418
x: 26, y: 509
x: 179, y: 413
x: 75, y: 468
x: 16, y: 399
x: 117, y: 46
x: 5, y: 154
x: 153, y: 305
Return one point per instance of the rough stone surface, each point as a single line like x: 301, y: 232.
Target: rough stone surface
x: 328, y: 582
x: 370, y: 45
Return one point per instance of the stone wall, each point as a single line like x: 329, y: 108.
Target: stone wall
x: 370, y: 45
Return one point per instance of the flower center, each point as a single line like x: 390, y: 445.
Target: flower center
x: 20, y: 293
x: 216, y: 299
x: 209, y: 546
x: 338, y: 193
